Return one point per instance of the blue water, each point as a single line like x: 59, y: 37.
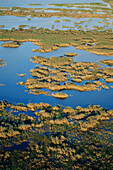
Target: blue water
x: 14, y: 21
x: 18, y: 61
x: 21, y: 3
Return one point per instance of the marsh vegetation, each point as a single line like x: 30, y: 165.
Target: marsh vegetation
x: 46, y: 135
x: 72, y: 136
x: 62, y: 73
x: 49, y: 40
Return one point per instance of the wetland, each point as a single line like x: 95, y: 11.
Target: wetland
x: 56, y: 86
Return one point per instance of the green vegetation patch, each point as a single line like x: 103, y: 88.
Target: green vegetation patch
x: 62, y: 73
x: 22, y: 26
x: 35, y: 4
x: 76, y: 4
x: 52, y: 40
x: 62, y: 138
x: 82, y: 11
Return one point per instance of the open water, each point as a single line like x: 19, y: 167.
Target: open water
x: 18, y: 61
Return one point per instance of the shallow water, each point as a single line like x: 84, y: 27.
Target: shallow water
x: 21, y: 3
x: 18, y: 61
x: 74, y: 140
x: 49, y: 22
x: 15, y: 21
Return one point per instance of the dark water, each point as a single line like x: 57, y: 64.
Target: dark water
x: 20, y: 146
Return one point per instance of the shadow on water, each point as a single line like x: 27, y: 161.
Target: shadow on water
x: 20, y: 146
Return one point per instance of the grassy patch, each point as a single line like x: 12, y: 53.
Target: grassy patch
x: 62, y: 138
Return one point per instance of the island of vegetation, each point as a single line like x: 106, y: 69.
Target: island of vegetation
x: 62, y: 138
x: 51, y: 136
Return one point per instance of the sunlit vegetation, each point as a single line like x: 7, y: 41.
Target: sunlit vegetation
x: 60, y: 95
x: 44, y: 136
x: 62, y: 138
x: 32, y: 27
x: 68, y: 20
x: 62, y: 73
x: 110, y: 2
x: 81, y: 11
x: 22, y: 26
x: 57, y: 21
x: 34, y: 4
x: 49, y: 40
x: 11, y: 44
x: 1, y: 26
x: 6, y: 8
x: 21, y: 75
x: 71, y: 54
x: 63, y: 26
x: 29, y: 19
x: 107, y: 62
x: 2, y: 62
x: 79, y: 4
